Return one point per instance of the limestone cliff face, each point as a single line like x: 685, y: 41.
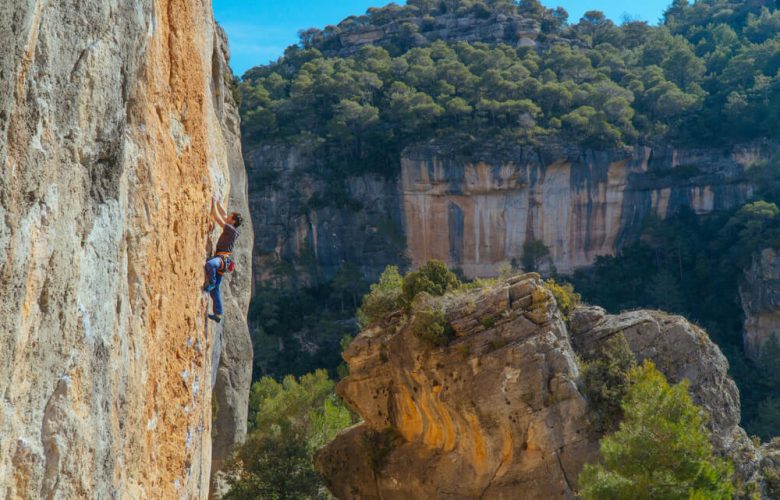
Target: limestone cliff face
x: 232, y: 369
x: 760, y: 295
x: 498, y: 413
x: 311, y: 221
x: 477, y: 215
x: 112, y: 139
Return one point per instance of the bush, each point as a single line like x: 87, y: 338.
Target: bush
x: 661, y: 450
x: 288, y: 422
x: 605, y: 382
x: 431, y: 326
x: 565, y: 296
x: 433, y: 278
x: 384, y: 297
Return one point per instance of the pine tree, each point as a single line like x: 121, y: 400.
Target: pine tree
x: 661, y: 450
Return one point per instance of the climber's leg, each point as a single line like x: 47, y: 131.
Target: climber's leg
x: 212, y: 266
x: 216, y: 297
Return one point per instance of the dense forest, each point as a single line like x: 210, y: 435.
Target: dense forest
x: 708, y: 75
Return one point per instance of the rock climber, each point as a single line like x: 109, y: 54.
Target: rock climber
x: 221, y: 262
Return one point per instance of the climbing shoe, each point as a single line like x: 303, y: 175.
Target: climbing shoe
x: 215, y: 317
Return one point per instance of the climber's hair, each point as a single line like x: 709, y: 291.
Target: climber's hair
x: 237, y: 219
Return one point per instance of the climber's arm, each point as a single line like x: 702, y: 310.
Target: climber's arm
x: 217, y: 213
x: 221, y: 211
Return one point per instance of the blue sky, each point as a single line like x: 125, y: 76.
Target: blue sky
x: 260, y: 30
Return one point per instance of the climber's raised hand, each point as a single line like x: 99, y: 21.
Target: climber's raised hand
x: 217, y: 212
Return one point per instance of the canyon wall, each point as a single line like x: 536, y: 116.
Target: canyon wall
x: 499, y: 412
x: 113, y: 136
x: 316, y: 223
x: 476, y: 214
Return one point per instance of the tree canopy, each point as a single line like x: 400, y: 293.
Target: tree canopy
x: 661, y: 450
x: 708, y: 74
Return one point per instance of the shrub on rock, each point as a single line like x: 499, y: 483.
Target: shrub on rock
x: 661, y: 450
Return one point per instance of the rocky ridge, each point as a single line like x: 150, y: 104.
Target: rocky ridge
x: 498, y: 412
x: 116, y: 125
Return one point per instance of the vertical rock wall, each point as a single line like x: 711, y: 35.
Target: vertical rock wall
x: 303, y: 217
x: 580, y: 204
x: 110, y: 146
x: 234, y: 370
x: 477, y: 215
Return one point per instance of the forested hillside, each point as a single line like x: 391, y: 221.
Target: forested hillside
x: 482, y: 78
x: 709, y: 74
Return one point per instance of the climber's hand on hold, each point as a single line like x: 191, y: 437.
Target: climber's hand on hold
x: 217, y: 212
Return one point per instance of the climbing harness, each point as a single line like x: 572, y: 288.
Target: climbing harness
x: 227, y: 265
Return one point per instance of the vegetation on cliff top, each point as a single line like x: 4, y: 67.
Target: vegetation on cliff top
x: 661, y: 450
x: 708, y: 74
x: 605, y: 382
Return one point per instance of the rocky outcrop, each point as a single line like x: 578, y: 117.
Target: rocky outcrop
x: 476, y: 213
x: 498, y: 412
x: 112, y: 139
x: 760, y: 296
x: 681, y: 350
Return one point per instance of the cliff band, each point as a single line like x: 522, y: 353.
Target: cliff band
x: 475, y: 214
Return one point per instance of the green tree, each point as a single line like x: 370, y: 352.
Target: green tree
x: 383, y: 299
x: 565, y: 296
x: 288, y: 422
x: 533, y: 253
x: 664, y: 291
x: 605, y: 381
x: 347, y: 284
x: 433, y: 278
x: 662, y: 449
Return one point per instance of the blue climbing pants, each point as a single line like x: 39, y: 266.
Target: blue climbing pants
x: 214, y: 280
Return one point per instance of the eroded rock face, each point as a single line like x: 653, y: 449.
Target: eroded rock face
x: 111, y: 143
x: 580, y: 204
x: 681, y: 350
x: 477, y: 215
x: 498, y: 412
x: 298, y: 218
x: 760, y: 295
